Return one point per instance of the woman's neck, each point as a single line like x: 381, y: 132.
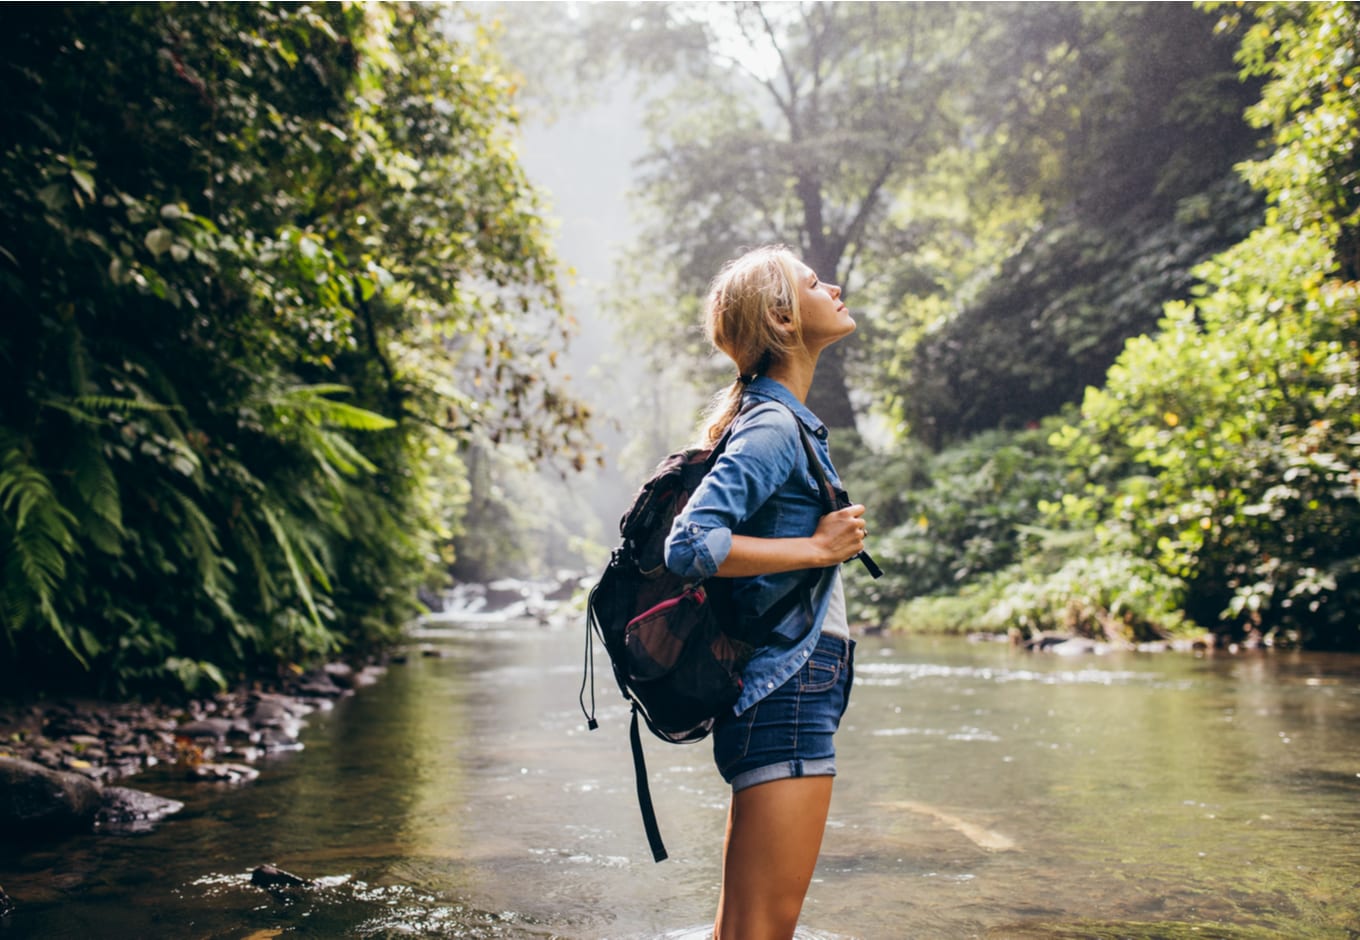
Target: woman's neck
x: 795, y: 373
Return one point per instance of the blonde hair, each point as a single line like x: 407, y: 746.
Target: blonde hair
x: 747, y: 305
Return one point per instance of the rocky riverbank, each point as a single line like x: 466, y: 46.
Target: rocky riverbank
x: 58, y: 760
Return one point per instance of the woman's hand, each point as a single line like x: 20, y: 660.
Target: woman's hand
x: 840, y: 534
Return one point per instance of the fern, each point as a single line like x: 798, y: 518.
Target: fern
x: 201, y: 538
x: 286, y: 545
x: 310, y: 403
x: 97, y: 487
x: 39, y: 530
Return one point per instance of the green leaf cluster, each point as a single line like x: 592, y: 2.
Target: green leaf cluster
x: 266, y: 270
x: 1225, y: 448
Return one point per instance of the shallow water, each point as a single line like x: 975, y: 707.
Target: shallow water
x: 983, y: 793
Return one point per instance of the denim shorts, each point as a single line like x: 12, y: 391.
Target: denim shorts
x: 789, y: 732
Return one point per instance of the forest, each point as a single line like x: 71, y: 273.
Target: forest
x: 287, y: 331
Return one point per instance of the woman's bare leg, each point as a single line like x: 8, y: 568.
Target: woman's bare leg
x: 774, y: 833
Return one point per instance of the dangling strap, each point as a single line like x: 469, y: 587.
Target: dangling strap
x: 588, y: 665
x: 644, y: 792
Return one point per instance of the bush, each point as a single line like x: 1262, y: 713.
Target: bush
x: 954, y: 516
x: 1113, y: 597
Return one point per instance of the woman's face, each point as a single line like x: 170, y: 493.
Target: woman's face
x: 824, y: 318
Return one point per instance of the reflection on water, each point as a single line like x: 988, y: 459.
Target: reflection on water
x: 984, y: 793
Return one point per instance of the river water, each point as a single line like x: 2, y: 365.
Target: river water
x: 983, y: 793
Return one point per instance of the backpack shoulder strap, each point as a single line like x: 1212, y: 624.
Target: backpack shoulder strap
x: 832, y: 498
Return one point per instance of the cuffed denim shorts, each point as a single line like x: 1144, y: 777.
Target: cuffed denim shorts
x: 789, y: 732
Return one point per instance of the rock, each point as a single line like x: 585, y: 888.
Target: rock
x: 126, y: 810
x: 369, y: 675
x: 211, y: 728
x: 279, y: 739
x: 318, y: 685
x: 1076, y: 646
x: 267, y: 876
x: 35, y: 800
x: 273, y: 711
x: 223, y: 773
x: 342, y: 674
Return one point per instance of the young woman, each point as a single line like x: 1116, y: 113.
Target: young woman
x: 759, y: 519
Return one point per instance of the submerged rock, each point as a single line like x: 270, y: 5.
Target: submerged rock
x: 267, y: 876
x: 223, y: 773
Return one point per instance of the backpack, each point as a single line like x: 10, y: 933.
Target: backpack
x: 676, y: 645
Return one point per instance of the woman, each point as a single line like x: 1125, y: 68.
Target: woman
x: 759, y: 519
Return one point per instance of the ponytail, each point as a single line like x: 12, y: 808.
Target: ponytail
x: 722, y: 411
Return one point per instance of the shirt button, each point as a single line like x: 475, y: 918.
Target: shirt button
x: 769, y: 685
x: 807, y: 653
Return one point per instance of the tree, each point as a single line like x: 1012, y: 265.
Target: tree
x: 793, y: 123
x: 266, y: 268
x: 1227, y: 446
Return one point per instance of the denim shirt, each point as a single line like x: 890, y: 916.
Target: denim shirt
x: 761, y: 486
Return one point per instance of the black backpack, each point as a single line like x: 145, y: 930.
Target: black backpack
x: 676, y: 645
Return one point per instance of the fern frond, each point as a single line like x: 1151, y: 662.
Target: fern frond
x: 285, y: 544
x: 249, y: 541
x: 310, y: 401
x: 201, y: 537
x: 121, y: 405
x: 96, y: 483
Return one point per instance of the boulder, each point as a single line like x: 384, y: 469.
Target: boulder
x: 35, y: 800
x: 125, y: 810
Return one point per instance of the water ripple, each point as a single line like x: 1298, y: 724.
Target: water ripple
x: 889, y: 674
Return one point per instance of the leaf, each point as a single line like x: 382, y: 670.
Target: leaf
x: 159, y: 240
x: 85, y: 181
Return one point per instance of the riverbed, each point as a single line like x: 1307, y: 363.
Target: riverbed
x: 984, y: 792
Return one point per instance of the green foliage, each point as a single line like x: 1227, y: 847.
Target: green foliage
x: 1115, y: 597
x: 266, y: 269
x: 942, y: 521
x: 1226, y: 448
x: 1124, y: 134
x: 959, y: 612
x: 1226, y: 445
x: 1058, y: 313
x: 1309, y: 54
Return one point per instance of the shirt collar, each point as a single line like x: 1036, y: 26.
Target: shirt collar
x: 764, y: 388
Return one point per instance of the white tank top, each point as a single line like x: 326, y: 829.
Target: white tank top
x: 837, y: 623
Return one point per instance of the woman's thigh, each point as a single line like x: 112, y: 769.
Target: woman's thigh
x: 773, y: 839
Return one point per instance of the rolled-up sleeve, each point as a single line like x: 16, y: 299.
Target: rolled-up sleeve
x: 695, y: 552
x: 760, y: 454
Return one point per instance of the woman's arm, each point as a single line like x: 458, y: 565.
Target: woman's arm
x: 839, y: 537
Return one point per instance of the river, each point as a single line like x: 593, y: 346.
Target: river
x: 984, y: 792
